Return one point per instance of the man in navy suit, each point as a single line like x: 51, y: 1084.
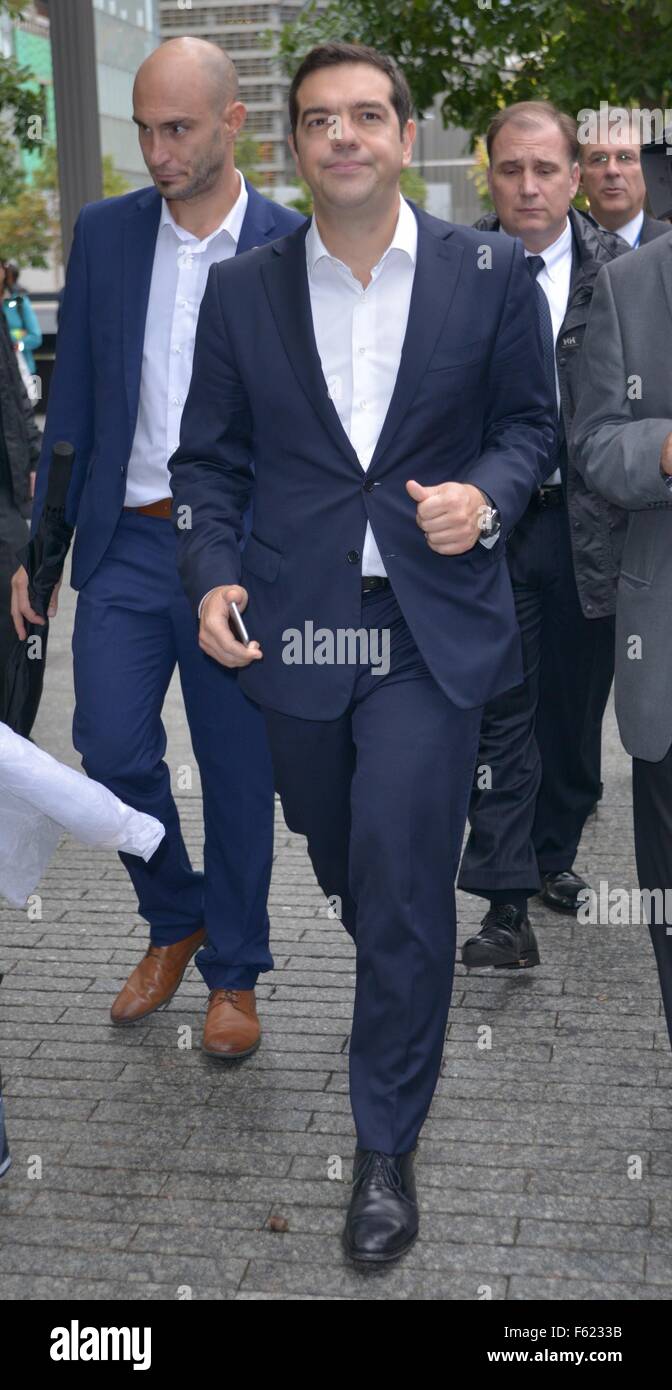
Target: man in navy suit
x: 386, y: 378
x: 136, y: 275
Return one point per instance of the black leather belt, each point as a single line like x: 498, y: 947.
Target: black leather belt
x: 371, y: 582
x: 550, y: 495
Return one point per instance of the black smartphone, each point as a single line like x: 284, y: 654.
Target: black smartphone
x: 237, y: 625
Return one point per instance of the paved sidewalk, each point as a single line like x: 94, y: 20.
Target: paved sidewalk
x: 162, y: 1169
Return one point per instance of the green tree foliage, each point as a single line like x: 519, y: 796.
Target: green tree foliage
x: 249, y: 155
x: 479, y: 55
x: 22, y: 99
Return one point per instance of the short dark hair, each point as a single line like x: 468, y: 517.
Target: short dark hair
x: 327, y: 55
x: 531, y: 113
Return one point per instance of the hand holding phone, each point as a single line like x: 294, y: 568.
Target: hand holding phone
x: 222, y: 633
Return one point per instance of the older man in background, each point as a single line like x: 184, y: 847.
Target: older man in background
x: 613, y: 182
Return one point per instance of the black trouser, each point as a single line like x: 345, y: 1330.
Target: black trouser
x: 652, y: 806
x: 13, y: 535
x: 538, y: 771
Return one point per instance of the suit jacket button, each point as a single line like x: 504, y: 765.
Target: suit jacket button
x: 353, y: 557
x: 369, y: 486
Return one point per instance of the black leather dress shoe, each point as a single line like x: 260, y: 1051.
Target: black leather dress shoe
x: 382, y: 1220
x: 561, y: 891
x: 506, y: 940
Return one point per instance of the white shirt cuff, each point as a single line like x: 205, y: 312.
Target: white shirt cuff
x: 210, y: 591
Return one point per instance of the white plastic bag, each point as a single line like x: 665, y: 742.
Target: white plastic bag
x: 41, y: 799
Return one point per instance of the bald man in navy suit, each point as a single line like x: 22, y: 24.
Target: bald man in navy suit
x: 127, y: 327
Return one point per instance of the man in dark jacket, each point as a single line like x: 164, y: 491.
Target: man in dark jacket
x: 538, y: 773
x: 19, y: 453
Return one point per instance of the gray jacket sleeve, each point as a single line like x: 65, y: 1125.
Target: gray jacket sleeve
x: 617, y: 454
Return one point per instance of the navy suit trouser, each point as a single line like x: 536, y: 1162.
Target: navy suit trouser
x: 381, y: 795
x: 133, y: 626
x: 538, y: 771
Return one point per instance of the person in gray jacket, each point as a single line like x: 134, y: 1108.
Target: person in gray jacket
x: 622, y: 446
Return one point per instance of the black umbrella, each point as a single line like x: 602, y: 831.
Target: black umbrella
x: 43, y: 558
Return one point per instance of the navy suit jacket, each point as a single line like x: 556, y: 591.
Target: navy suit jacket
x: 470, y: 404
x: 93, y: 401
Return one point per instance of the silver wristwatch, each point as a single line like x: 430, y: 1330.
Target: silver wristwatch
x: 489, y: 521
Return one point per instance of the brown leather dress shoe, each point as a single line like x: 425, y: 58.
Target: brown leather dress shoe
x: 155, y: 980
x: 232, y: 1028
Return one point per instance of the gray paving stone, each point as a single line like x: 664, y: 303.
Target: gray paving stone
x: 582, y: 1290
x: 161, y: 1167
x: 131, y: 1266
x: 403, y: 1283
x: 574, y: 1236
x: 43, y: 1289
x: 143, y: 1210
x: 30, y: 1228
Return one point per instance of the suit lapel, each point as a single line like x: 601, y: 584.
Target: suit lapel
x: 666, y: 273
x: 437, y: 271
x: 286, y: 281
x: 435, y: 280
x: 139, y: 241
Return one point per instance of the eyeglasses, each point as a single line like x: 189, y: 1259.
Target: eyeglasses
x: 622, y: 157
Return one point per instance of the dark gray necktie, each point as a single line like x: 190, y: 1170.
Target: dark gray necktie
x: 535, y: 265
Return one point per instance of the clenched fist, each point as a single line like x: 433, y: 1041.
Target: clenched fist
x: 449, y: 515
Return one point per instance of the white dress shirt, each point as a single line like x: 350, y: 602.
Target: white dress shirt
x: 555, y: 280
x: 359, y: 334
x: 632, y: 230
x: 179, y: 273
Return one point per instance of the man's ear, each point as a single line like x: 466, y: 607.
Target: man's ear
x: 235, y: 119
x: 407, y: 142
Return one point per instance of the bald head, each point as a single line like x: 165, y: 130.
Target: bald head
x: 178, y: 64
x: 186, y: 108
